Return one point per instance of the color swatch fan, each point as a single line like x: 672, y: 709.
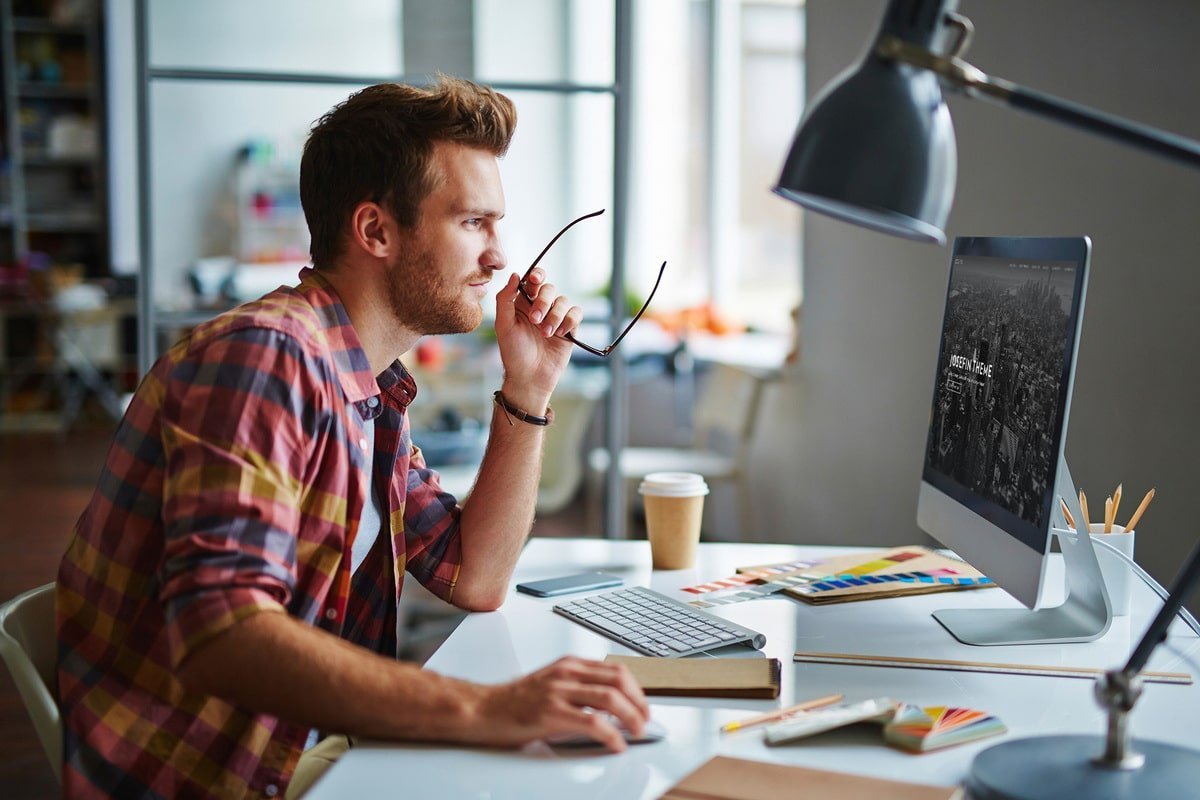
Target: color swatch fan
x: 933, y: 727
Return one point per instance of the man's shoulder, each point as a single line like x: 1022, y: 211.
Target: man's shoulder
x: 286, y: 311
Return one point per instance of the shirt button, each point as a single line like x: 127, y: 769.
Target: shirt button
x: 362, y: 443
x: 372, y: 402
x: 331, y: 613
x: 272, y: 790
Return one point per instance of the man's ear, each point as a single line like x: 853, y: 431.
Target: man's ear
x: 372, y: 229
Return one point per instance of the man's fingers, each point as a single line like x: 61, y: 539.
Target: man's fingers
x: 509, y: 293
x: 596, y: 727
x: 612, y: 701
x: 571, y: 321
x: 556, y: 316
x: 614, y: 675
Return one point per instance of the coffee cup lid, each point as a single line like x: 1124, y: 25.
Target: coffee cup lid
x: 673, y: 484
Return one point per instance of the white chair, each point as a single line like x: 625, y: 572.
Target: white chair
x: 724, y: 417
x: 29, y: 647
x: 562, y: 459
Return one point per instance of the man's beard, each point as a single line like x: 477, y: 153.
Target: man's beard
x: 424, y: 302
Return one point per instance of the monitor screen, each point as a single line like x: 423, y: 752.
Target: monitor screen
x: 1001, y: 386
x: 1000, y: 403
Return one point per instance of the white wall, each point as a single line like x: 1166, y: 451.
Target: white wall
x: 840, y: 460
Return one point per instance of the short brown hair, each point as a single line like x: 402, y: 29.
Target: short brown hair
x: 376, y: 147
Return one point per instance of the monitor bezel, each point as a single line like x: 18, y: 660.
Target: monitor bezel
x: 1035, y: 249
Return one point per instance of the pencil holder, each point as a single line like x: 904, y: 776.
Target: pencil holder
x: 1118, y: 574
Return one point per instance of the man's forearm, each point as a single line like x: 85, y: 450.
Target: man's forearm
x: 497, y: 517
x: 271, y: 663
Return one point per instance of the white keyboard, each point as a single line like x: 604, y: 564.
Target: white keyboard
x: 654, y: 624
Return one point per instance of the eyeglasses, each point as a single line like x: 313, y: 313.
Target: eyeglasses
x: 606, y: 351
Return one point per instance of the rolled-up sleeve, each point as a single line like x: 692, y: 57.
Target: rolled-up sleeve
x: 238, y: 418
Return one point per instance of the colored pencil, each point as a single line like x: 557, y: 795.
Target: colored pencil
x: 1141, y: 509
x: 1067, y: 513
x: 807, y: 705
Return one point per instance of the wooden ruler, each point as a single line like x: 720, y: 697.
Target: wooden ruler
x: 980, y: 666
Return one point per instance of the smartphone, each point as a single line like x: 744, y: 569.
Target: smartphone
x: 551, y: 587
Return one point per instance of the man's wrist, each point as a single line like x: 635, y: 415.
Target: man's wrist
x: 526, y: 397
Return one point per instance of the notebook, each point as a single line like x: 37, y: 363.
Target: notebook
x: 756, y: 678
x: 724, y: 778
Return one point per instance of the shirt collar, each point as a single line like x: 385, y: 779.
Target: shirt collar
x: 349, y: 357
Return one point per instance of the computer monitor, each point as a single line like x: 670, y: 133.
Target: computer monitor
x: 994, y: 466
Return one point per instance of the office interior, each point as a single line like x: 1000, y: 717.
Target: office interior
x: 836, y: 453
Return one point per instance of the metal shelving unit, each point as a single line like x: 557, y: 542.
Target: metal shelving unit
x: 56, y: 200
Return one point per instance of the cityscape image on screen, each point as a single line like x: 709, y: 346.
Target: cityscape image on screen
x: 1000, y: 372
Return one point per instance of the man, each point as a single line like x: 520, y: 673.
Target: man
x: 231, y: 588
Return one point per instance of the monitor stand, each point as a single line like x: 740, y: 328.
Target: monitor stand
x: 1084, y: 615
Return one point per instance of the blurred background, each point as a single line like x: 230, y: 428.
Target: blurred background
x: 148, y: 165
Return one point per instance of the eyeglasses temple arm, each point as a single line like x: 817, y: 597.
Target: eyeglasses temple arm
x: 632, y: 322
x: 557, y: 236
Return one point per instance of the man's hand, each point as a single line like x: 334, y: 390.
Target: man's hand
x: 529, y: 334
x: 553, y: 700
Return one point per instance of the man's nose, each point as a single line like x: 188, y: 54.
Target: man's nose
x: 493, y: 258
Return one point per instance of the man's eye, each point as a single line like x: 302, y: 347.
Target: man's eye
x: 474, y: 222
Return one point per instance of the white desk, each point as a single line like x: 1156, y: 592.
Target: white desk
x: 524, y: 634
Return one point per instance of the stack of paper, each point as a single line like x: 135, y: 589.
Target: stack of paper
x: 921, y: 729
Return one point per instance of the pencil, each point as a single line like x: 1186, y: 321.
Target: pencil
x: 1141, y: 509
x: 1087, y: 518
x: 1067, y: 513
x: 1108, y: 514
x: 782, y: 712
x: 1116, y: 502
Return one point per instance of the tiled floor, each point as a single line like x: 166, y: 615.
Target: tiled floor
x: 45, y: 481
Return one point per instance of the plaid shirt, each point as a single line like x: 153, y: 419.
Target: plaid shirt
x: 234, y: 486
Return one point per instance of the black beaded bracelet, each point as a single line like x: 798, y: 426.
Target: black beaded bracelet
x: 511, y: 411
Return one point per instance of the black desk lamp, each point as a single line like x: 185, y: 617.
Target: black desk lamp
x: 877, y: 149
x: 877, y: 146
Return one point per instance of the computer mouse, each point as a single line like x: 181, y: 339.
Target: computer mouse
x: 651, y: 732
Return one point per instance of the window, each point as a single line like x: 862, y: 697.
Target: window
x: 719, y: 91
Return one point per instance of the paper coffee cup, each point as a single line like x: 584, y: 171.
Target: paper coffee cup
x: 674, y: 503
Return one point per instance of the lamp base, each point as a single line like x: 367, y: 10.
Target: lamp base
x: 1056, y: 767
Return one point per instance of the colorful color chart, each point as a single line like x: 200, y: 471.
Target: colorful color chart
x: 933, y: 727
x: 946, y: 577
x: 883, y: 573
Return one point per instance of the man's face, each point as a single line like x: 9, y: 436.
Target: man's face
x: 438, y: 279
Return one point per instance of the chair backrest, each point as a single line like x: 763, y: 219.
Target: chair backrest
x: 563, y: 455
x: 29, y: 645
x: 727, y: 407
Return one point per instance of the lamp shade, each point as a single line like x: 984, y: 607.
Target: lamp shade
x: 877, y: 149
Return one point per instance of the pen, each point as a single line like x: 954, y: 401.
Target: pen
x: 1108, y: 515
x: 1066, y: 513
x: 1137, y: 515
x: 780, y: 713
x: 1087, y: 518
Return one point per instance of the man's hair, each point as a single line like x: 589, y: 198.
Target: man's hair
x: 377, y: 145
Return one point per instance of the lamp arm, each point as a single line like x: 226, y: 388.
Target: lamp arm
x: 974, y: 82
